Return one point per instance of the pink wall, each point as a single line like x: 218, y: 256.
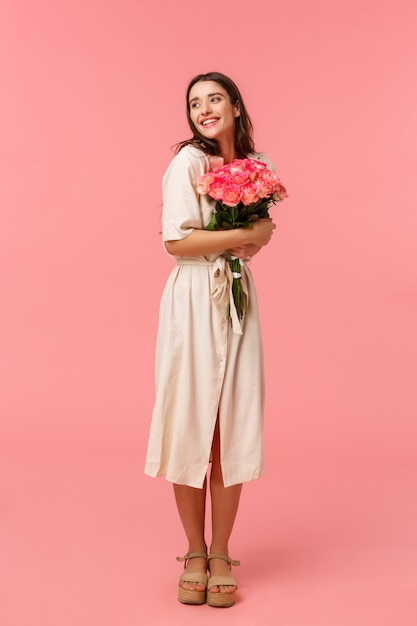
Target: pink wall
x: 92, y: 99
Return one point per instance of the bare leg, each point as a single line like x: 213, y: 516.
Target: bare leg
x: 224, y: 505
x: 191, y: 504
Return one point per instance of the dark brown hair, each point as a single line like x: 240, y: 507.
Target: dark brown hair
x: 244, y: 144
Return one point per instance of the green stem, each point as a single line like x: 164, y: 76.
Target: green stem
x: 238, y: 295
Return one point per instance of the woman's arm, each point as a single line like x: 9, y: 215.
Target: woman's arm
x: 204, y: 242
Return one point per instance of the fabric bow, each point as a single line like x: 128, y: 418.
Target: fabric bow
x: 222, y: 291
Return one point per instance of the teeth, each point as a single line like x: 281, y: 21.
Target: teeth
x: 209, y: 121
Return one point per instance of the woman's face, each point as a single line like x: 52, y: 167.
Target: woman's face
x: 211, y: 111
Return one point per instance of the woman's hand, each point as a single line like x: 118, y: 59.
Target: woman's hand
x: 257, y: 237
x: 261, y: 232
x: 242, y: 252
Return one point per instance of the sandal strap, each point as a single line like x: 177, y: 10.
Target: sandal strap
x: 194, y: 577
x: 217, y: 581
x: 191, y: 555
x: 223, y: 557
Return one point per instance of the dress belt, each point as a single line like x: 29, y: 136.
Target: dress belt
x: 222, y: 292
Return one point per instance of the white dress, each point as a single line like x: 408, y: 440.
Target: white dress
x: 204, y: 367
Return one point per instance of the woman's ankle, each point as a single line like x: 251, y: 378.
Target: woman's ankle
x: 219, y: 549
x: 197, y: 547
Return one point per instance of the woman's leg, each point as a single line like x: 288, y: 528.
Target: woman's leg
x: 191, y: 504
x: 224, y: 506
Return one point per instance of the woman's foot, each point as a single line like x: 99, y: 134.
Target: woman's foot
x: 193, y: 565
x: 222, y: 585
x: 220, y: 567
x: 193, y: 581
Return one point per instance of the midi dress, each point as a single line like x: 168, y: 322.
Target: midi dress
x: 206, y: 368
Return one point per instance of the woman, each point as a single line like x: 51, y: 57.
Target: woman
x: 209, y: 375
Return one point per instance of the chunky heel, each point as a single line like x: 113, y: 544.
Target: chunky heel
x: 187, y: 596
x: 219, y: 599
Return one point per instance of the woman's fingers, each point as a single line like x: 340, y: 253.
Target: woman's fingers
x: 262, y: 231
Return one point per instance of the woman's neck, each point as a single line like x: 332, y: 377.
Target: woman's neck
x: 227, y: 150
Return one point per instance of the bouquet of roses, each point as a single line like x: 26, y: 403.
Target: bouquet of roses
x: 244, y: 190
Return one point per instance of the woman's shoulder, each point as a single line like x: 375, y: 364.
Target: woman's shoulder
x: 190, y: 154
x: 189, y: 158
x: 186, y: 167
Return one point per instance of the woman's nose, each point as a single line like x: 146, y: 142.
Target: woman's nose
x: 206, y: 108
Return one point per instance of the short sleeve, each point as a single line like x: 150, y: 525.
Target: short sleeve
x: 181, y: 212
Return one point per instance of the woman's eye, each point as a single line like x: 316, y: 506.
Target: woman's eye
x: 195, y: 105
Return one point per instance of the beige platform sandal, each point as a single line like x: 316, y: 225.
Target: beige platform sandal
x: 186, y: 596
x: 218, y: 598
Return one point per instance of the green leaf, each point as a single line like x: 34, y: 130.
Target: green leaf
x: 225, y: 217
x: 212, y: 223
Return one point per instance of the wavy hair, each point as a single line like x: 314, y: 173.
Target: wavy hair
x: 244, y: 143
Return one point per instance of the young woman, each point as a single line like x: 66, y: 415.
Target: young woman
x: 209, y: 374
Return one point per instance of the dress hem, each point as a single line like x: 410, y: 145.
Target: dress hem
x: 237, y: 476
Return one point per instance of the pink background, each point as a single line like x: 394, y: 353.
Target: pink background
x: 92, y: 99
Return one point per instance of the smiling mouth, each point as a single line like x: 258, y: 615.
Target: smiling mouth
x: 210, y: 121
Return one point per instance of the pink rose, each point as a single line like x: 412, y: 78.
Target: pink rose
x: 266, y: 190
x: 250, y: 193
x: 257, y: 165
x: 253, y: 167
x: 204, y: 183
x: 217, y: 187
x: 269, y: 176
x: 223, y: 171
x: 268, y: 182
x: 238, y: 176
x: 231, y: 195
x: 280, y: 193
